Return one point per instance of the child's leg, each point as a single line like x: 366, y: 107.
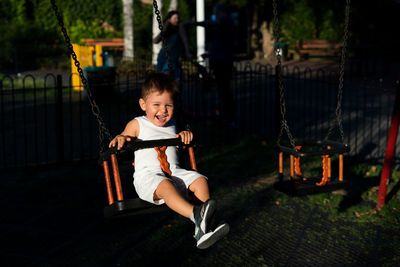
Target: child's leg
x: 167, y: 191
x: 202, y: 215
x: 200, y: 189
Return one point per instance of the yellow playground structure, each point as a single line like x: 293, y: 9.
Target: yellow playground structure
x: 91, y: 54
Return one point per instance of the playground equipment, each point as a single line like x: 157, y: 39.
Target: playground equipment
x: 390, y: 151
x: 325, y: 148
x: 134, y: 205
x: 130, y: 206
x: 92, y: 54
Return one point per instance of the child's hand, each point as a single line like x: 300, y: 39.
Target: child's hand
x: 186, y: 137
x: 120, y: 141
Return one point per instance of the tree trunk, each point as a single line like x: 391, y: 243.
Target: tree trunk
x: 255, y: 34
x: 173, y: 5
x: 156, y: 31
x: 267, y: 41
x: 128, y: 53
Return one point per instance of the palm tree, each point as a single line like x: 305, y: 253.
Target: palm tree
x: 128, y: 53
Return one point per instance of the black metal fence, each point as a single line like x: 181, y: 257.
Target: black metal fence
x: 46, y: 121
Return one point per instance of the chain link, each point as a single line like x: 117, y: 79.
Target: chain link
x: 338, y: 118
x: 164, y: 41
x: 278, y: 76
x: 338, y: 112
x: 102, y: 130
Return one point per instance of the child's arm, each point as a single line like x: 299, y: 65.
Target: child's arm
x: 186, y: 136
x: 158, y: 38
x: 130, y: 132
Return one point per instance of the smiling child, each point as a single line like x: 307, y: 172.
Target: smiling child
x: 157, y: 185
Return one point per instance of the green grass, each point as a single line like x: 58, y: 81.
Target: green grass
x: 225, y: 167
x: 27, y: 83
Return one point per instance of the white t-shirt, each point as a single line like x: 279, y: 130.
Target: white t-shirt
x: 147, y: 158
x: 148, y: 173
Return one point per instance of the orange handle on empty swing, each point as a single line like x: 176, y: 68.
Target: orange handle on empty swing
x: 341, y: 167
x: 292, y: 166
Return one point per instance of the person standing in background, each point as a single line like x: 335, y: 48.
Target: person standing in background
x: 177, y: 43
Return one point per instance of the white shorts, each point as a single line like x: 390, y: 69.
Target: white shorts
x: 147, y: 180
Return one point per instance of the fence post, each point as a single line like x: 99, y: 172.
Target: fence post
x: 390, y: 150
x: 59, y: 120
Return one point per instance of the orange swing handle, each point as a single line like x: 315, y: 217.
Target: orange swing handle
x: 108, y: 182
x: 117, y: 179
x: 326, y: 169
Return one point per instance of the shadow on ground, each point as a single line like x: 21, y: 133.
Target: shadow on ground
x: 52, y: 216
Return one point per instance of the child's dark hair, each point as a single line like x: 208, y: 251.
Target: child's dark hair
x: 159, y: 82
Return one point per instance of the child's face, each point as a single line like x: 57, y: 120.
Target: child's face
x: 159, y: 108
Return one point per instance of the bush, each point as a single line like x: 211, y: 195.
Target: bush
x: 306, y: 19
x: 298, y: 23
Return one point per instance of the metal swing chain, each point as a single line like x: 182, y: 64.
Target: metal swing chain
x: 164, y: 41
x: 103, y: 131
x: 338, y: 118
x: 284, y: 124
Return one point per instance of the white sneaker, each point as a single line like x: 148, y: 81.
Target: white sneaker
x: 209, y: 239
x: 203, y: 217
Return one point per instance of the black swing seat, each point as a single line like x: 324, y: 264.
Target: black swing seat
x: 139, y: 144
x: 300, y: 186
x: 136, y: 206
x: 316, y: 148
x: 133, y: 206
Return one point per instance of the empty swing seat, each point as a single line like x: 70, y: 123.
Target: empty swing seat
x: 298, y: 184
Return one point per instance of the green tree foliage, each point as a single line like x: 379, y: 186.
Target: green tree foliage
x: 298, y: 22
x: 143, y: 19
x: 328, y: 30
x: 311, y: 19
x: 29, y: 28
